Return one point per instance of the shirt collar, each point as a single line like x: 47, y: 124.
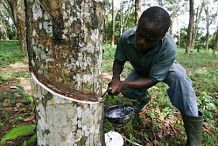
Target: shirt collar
x: 131, y: 36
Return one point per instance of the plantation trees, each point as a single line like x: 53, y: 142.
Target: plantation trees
x: 190, y: 26
x: 17, y: 14
x: 216, y: 43
x: 64, y: 42
x: 113, y: 25
x: 137, y: 10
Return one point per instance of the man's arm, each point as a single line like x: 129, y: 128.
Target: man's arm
x: 116, y: 86
x: 141, y: 83
x: 117, y: 69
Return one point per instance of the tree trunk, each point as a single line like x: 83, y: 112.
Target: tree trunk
x: 195, y: 28
x: 190, y: 26
x: 179, y: 39
x: 206, y: 9
x: 125, y: 10
x: 3, y: 31
x: 172, y: 19
x: 64, y: 42
x: 16, y: 10
x: 137, y: 10
x: 121, y: 17
x: 20, y: 24
x: 216, y: 43
x: 113, y: 24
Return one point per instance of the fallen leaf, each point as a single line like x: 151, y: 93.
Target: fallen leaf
x: 30, y: 118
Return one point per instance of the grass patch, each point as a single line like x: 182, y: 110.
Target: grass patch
x: 10, y: 76
x: 10, y: 53
x: 196, y: 60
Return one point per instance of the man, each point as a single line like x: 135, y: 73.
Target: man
x: 152, y: 52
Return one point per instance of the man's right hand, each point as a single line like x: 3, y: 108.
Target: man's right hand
x: 114, y: 87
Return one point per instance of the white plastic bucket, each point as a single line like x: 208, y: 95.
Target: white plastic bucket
x: 113, y: 138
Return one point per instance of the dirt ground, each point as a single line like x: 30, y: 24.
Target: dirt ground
x: 24, y: 82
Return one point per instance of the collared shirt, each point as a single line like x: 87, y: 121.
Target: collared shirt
x: 155, y: 63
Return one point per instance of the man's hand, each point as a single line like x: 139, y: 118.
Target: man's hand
x: 115, y: 87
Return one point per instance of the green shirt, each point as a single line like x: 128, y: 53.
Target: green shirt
x: 155, y: 63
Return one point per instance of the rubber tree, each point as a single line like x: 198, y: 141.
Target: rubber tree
x: 137, y: 10
x: 3, y: 29
x: 16, y: 11
x: 113, y: 25
x: 216, y: 42
x: 64, y: 43
x: 190, y: 27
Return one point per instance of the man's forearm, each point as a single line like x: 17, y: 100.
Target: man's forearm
x: 142, y: 83
x: 117, y: 69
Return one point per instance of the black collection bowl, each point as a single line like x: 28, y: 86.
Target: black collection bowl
x: 119, y: 115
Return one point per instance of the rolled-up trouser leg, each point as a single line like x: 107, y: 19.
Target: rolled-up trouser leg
x: 180, y: 91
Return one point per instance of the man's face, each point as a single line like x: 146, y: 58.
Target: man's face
x: 147, y: 35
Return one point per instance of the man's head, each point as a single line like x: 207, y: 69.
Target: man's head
x: 152, y: 26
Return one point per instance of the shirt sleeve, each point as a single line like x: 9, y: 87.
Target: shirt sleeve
x: 120, y: 52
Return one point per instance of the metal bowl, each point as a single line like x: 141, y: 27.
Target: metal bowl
x: 119, y: 115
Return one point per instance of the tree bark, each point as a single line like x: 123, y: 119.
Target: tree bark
x: 17, y: 13
x: 121, y: 18
x: 3, y: 31
x: 137, y: 10
x: 64, y: 42
x: 190, y: 26
x: 195, y: 28
x: 206, y: 9
x: 113, y: 24
x: 216, y: 43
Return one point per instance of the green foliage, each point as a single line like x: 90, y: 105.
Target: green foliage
x: 10, y: 53
x: 208, y: 107
x: 27, y: 131
x: 212, y: 43
x: 108, y: 57
x: 31, y: 141
x: 14, y: 99
x: 27, y: 98
x: 128, y: 16
x: 199, y: 41
x: 18, y: 131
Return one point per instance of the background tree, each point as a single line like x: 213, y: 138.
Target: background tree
x: 137, y: 10
x: 216, y: 43
x: 64, y: 42
x: 113, y: 24
x: 175, y: 8
x: 126, y: 10
x: 3, y: 29
x: 197, y: 19
x: 190, y: 27
x: 16, y: 11
x: 206, y: 9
